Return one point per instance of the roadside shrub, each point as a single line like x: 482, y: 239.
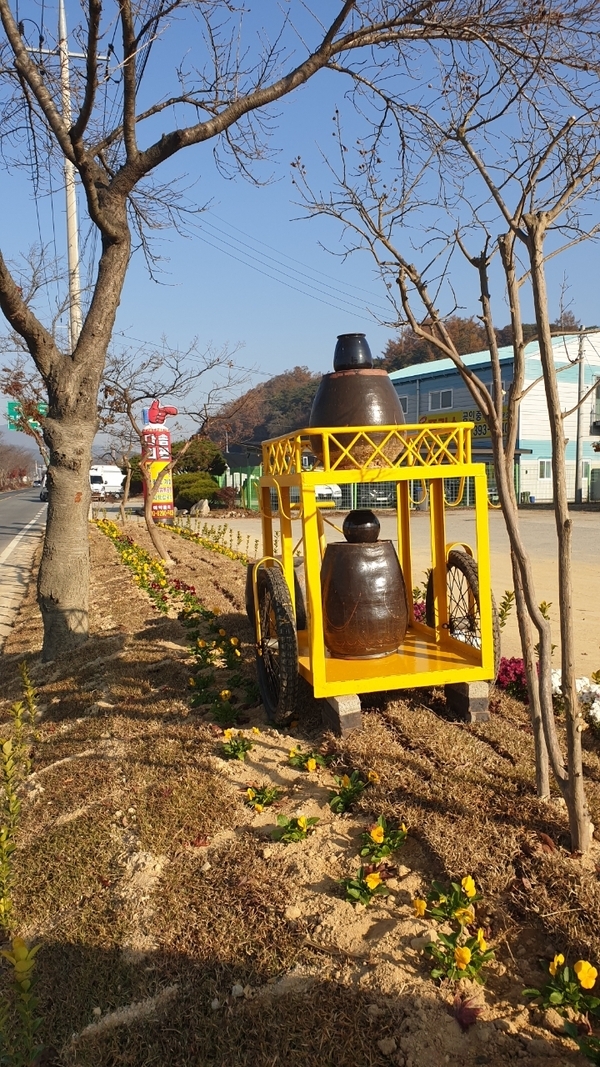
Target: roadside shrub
x: 188, y: 489
x: 226, y: 497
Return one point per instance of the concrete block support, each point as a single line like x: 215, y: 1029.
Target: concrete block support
x: 469, y: 700
x: 341, y: 714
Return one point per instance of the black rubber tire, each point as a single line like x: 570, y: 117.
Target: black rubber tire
x: 464, y: 621
x: 277, y: 659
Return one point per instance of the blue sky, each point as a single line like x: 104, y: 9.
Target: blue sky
x: 252, y: 275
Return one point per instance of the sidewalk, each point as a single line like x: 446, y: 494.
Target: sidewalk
x: 15, y: 572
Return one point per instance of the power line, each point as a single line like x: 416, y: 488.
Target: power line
x: 160, y: 348
x: 346, y: 297
x: 274, y: 278
x: 284, y: 255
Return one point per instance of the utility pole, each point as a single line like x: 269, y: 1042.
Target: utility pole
x: 75, y: 317
x: 580, y: 422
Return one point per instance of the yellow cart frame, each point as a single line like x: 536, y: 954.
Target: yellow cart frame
x: 428, y: 453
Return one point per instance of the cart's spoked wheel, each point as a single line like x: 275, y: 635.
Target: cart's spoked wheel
x: 464, y: 621
x: 277, y: 658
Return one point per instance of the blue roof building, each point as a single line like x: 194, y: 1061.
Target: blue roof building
x: 435, y: 392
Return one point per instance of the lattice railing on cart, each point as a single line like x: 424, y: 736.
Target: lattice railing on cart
x: 363, y: 448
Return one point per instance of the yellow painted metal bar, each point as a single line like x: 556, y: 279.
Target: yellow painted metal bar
x: 404, y: 545
x: 266, y: 519
x: 438, y: 557
x: 287, y: 541
x: 255, y: 569
x: 321, y: 529
x: 485, y: 573
x: 313, y: 530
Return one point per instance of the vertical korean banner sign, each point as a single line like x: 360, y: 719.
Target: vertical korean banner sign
x: 156, y: 446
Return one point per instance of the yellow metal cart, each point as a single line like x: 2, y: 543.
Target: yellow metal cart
x: 457, y: 641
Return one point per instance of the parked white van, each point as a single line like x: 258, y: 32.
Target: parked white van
x: 106, y: 480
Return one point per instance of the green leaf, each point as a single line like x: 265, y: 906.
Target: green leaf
x: 556, y: 997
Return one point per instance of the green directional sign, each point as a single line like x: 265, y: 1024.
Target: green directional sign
x: 14, y: 415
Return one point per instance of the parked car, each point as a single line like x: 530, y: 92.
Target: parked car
x: 329, y: 492
x: 379, y: 495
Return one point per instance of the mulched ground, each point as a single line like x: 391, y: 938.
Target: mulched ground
x: 175, y: 931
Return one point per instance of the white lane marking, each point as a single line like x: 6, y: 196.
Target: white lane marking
x: 13, y: 544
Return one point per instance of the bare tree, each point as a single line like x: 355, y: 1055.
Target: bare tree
x: 27, y: 390
x: 221, y: 95
x: 15, y: 465
x: 205, y: 380
x: 540, y: 179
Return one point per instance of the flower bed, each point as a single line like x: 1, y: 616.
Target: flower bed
x: 214, y: 544
x: 218, y: 681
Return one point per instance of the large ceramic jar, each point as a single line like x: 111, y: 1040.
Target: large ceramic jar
x: 365, y: 610
x: 356, y: 394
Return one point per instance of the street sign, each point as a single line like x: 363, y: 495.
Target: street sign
x: 14, y: 415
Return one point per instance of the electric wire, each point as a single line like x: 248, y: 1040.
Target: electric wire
x: 260, y: 257
x: 315, y: 270
x: 273, y: 277
x: 153, y: 344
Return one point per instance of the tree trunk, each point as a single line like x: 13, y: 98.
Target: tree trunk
x: 579, y: 820
x: 125, y: 496
x: 63, y: 580
x: 542, y: 771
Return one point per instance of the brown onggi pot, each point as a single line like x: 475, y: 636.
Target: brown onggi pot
x: 365, y: 610
x: 362, y: 397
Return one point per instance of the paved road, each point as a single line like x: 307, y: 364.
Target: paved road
x: 22, y: 521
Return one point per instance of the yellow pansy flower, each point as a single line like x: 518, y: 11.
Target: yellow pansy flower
x: 346, y: 782
x: 234, y: 641
x: 192, y: 681
x: 302, y: 822
x: 222, y: 633
x: 419, y: 907
x: 377, y: 834
x: 228, y: 734
x: 373, y: 776
x: 465, y: 916
x: 225, y: 694
x: 468, y: 886
x: 292, y: 753
x: 404, y: 828
x: 258, y: 807
x: 481, y: 941
x: 462, y: 957
x: 311, y: 764
x: 250, y: 793
x: 586, y: 974
x: 255, y: 730
x: 557, y: 962
x: 373, y: 880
